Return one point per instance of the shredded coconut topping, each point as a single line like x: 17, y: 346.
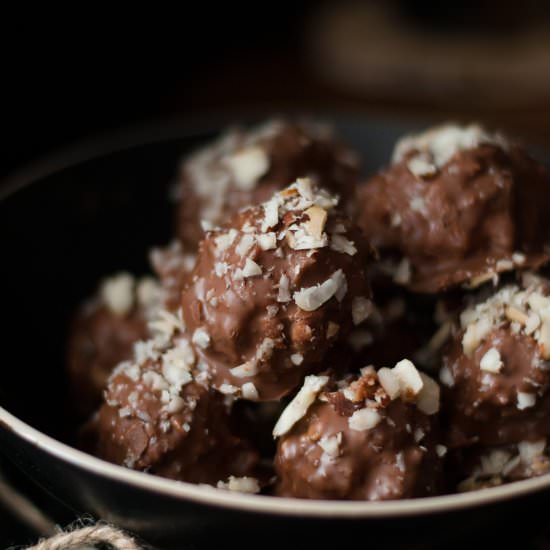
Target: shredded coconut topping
x: 529, y: 307
x: 435, y: 147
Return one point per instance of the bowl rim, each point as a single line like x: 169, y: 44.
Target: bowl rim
x: 163, y: 130
x: 280, y: 506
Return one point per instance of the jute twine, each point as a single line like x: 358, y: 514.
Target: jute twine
x: 87, y: 538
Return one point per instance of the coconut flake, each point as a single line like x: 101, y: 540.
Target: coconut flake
x: 361, y: 308
x: 240, y: 485
x: 251, y: 269
x: 267, y: 241
x: 312, y: 298
x: 249, y: 368
x: 249, y: 391
x: 201, y: 338
x: 283, y: 294
x: 526, y: 400
x: 331, y: 444
x: 491, y: 361
x: 117, y: 293
x: 364, y: 419
x: 428, y: 398
x: 298, y: 407
x: 248, y: 166
x: 341, y: 244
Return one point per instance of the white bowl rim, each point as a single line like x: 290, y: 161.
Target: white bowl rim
x: 209, y: 496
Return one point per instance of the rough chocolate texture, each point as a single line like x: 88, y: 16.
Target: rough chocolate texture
x: 481, y: 206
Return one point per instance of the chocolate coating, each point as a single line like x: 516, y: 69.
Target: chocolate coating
x: 213, y: 187
x: 454, y: 218
x: 395, y: 459
x: 242, y: 305
x: 508, y: 400
x: 184, y: 433
x: 101, y: 337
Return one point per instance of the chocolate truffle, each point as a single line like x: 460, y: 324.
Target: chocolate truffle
x: 274, y: 290
x: 372, y: 437
x: 159, y: 415
x: 496, y: 466
x: 496, y: 369
x: 457, y: 205
x: 104, y: 332
x: 246, y: 167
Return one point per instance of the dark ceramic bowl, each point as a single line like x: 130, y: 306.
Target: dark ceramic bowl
x: 66, y: 222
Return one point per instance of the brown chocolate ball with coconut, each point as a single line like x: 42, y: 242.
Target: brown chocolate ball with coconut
x: 496, y: 368
x: 246, y: 167
x: 367, y: 437
x: 159, y: 415
x: 104, y: 332
x: 479, y: 468
x: 274, y: 290
x: 457, y: 205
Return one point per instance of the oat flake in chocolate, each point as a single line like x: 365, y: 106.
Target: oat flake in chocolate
x: 457, y: 205
x: 273, y: 290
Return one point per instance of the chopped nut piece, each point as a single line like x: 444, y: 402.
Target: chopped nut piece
x: 515, y: 314
x: 315, y: 226
x: 410, y: 381
x: 389, y: 381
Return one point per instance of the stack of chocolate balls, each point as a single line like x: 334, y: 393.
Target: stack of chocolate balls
x: 392, y: 334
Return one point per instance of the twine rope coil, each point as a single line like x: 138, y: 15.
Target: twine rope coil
x: 88, y: 538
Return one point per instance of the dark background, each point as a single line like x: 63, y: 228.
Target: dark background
x: 90, y: 70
